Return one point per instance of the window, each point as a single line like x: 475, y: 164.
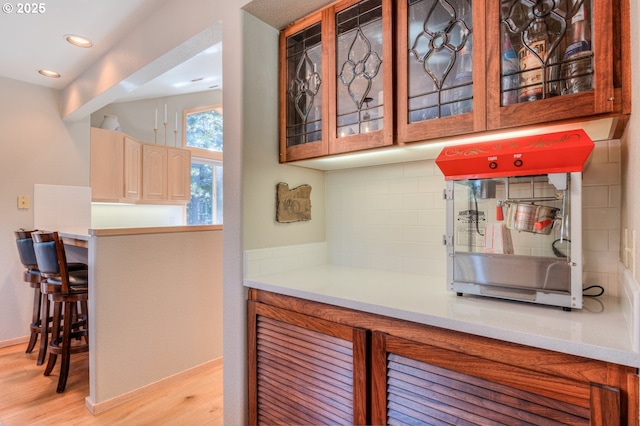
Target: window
x: 203, y: 136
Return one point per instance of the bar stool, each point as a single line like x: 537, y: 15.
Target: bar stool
x: 68, y: 291
x: 41, y: 308
x: 32, y: 276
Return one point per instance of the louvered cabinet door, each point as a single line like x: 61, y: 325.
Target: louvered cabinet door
x: 414, y: 383
x: 304, y: 370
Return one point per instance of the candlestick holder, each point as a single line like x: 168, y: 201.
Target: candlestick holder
x: 165, y: 133
x: 175, y: 138
x: 155, y: 135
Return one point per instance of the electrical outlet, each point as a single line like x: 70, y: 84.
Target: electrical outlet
x: 23, y: 202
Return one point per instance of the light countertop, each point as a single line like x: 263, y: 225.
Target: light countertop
x: 598, y: 331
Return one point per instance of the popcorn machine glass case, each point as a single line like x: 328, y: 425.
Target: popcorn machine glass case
x: 514, y: 218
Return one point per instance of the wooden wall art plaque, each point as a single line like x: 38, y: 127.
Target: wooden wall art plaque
x: 293, y: 205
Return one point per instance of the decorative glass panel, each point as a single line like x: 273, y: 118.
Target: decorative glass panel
x: 440, y: 64
x: 546, y: 49
x: 359, y: 68
x: 304, y: 97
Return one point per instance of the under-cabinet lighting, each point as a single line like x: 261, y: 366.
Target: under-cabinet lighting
x: 77, y: 40
x: 597, y: 130
x: 49, y: 73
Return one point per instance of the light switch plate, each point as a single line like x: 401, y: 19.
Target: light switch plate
x: 23, y: 202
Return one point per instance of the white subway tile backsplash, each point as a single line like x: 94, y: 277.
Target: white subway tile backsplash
x: 417, y: 201
x: 368, y: 226
x: 615, y: 196
x: 596, y: 239
x: 404, y: 217
x: 602, y: 174
x: 614, y: 151
x: 384, y: 202
x: 614, y: 240
x: 431, y: 184
x: 279, y: 259
x: 420, y: 168
x: 600, y: 154
x: 600, y: 261
x: 595, y: 196
x: 601, y: 218
x: 407, y: 185
x: 433, y: 217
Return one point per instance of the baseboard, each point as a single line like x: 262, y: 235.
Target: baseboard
x: 16, y: 341
x: 136, y: 393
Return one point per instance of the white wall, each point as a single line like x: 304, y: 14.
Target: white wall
x: 37, y: 148
x: 137, y: 118
x: 631, y: 158
x: 262, y: 171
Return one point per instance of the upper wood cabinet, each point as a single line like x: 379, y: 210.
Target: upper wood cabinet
x: 154, y: 169
x: 132, y: 169
x: 360, y: 58
x: 303, y: 89
x: 178, y: 174
x: 336, y: 66
x: 106, y: 153
x: 441, y: 89
x: 568, y: 61
x: 439, y: 68
x: 116, y: 167
x: 126, y: 170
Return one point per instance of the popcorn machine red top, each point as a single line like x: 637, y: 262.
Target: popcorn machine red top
x: 533, y: 253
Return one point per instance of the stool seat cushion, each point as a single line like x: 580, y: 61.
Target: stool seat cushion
x: 76, y: 266
x: 78, y: 281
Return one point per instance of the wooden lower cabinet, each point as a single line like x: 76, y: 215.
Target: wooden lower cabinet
x: 305, y: 370
x: 312, y: 363
x: 418, y: 383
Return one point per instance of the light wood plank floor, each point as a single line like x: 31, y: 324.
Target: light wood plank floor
x: 27, y: 397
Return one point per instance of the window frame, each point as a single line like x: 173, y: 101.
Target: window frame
x: 204, y: 156
x: 199, y: 152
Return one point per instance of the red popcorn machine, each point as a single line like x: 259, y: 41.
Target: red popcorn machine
x: 514, y: 218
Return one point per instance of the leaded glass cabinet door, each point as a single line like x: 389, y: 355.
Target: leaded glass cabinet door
x: 303, y: 90
x: 361, y: 89
x: 441, y: 68
x: 553, y: 60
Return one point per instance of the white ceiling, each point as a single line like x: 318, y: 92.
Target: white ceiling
x: 36, y: 41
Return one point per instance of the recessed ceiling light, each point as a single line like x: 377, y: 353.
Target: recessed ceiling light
x: 48, y: 73
x: 77, y: 40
